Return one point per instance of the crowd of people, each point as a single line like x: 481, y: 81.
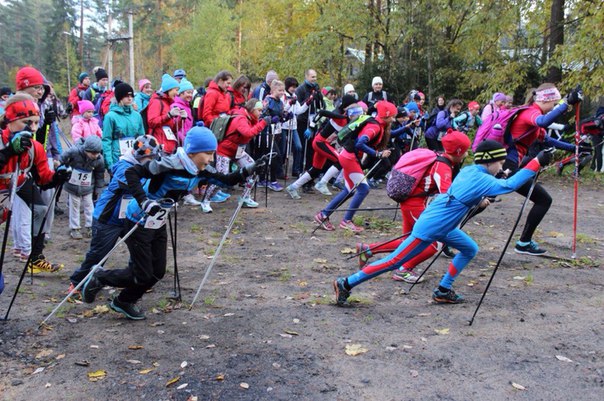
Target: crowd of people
x: 132, y: 153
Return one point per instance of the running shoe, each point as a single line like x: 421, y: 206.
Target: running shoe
x: 324, y: 222
x: 364, y: 253
x: 189, y: 200
x: 223, y: 194
x: 446, y: 297
x: 217, y: 199
x: 130, y: 310
x: 293, y: 192
x: 349, y: 225
x: 205, y: 207
x: 342, y: 293
x: 41, y: 265
x: 249, y: 202
x: 448, y: 252
x: 275, y: 186
x: 322, y: 187
x: 532, y: 248
x: 91, y: 287
x: 75, y: 234
x: 261, y: 184
x: 408, y: 276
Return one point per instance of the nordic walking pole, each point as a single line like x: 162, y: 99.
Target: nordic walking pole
x: 576, y: 184
x: 507, y: 243
x: 367, y: 209
x: 9, y: 214
x: 371, y: 248
x: 93, y: 270
x: 176, y: 294
x: 271, y: 132
x: 348, y: 196
x: 222, y: 241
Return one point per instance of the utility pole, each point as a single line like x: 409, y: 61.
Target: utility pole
x: 131, y: 45
x: 81, y: 34
x: 110, y: 45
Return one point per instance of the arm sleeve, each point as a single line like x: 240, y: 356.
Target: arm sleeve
x: 546, y: 120
x: 442, y: 121
x: 459, y: 120
x: 133, y: 176
x: 559, y: 144
x: 362, y: 145
x: 76, y: 131
x: 107, y: 140
x: 155, y: 118
x: 331, y: 114
x: 41, y: 164
x: 442, y: 176
x: 220, y: 179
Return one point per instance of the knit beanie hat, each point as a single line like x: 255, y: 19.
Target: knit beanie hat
x: 347, y: 100
x: 20, y: 106
x: 82, y: 76
x: 5, y: 90
x: 412, y: 107
x: 455, y: 143
x: 185, y: 85
x: 145, y: 145
x: 28, y: 76
x: 167, y: 83
x: 100, y: 74
x: 271, y: 76
x: 489, y: 151
x: 199, y: 139
x: 499, y: 97
x: 142, y: 83
x: 473, y: 105
x: 377, y: 80
x: 93, y: 144
x: 385, y: 109
x: 348, y: 88
x: 84, y: 106
x: 179, y: 73
x: 122, y: 90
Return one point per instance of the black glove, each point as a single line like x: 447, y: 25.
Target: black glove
x: 62, y: 174
x: 20, y: 142
x: 69, y: 108
x: 575, y: 96
x: 545, y: 157
x: 585, y: 148
x: 292, y: 101
x: 49, y: 116
x: 150, y: 207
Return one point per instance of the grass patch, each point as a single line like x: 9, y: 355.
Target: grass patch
x: 585, y: 239
x: 285, y: 275
x: 195, y: 228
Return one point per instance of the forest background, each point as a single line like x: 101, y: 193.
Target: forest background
x: 462, y: 48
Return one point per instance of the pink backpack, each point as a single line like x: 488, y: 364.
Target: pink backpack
x: 409, y: 170
x: 497, y: 127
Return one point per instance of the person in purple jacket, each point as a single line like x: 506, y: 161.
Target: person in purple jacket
x: 442, y: 124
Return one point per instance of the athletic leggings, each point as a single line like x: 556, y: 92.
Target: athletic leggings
x: 541, y: 203
x: 410, y: 216
x: 411, y: 248
x: 324, y: 153
x: 353, y: 175
x: 30, y: 194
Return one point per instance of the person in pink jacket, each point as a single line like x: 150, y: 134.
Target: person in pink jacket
x: 86, y: 125
x: 183, y: 102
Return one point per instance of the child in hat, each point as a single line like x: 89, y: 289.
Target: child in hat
x: 86, y: 125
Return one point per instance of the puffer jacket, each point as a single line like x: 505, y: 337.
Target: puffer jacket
x: 120, y: 122
x: 83, y: 128
x: 76, y: 158
x: 242, y: 128
x: 183, y: 125
x: 215, y: 102
x: 159, y: 121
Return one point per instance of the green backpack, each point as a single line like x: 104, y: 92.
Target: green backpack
x: 220, y: 125
x: 352, y: 129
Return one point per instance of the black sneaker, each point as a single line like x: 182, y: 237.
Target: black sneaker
x: 91, y: 287
x: 448, y: 297
x: 531, y: 249
x: 448, y: 252
x: 342, y: 293
x: 131, y: 311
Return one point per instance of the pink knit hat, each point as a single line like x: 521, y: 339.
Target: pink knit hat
x: 142, y: 83
x: 84, y: 106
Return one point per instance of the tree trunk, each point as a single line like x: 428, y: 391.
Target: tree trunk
x: 556, y: 37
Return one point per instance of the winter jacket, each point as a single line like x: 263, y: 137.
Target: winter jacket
x: 93, y: 92
x: 38, y: 167
x: 92, y: 171
x: 120, y: 122
x: 159, y: 122
x: 215, y: 102
x: 261, y: 91
x: 183, y: 125
x: 443, y: 121
x: 295, y: 108
x: 83, y: 128
x: 371, y: 98
x: 242, y: 128
x: 303, y: 92
x: 142, y: 101
x: 238, y: 98
x: 75, y: 95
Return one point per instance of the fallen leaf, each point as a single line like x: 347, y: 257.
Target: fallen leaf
x: 101, y: 309
x: 182, y: 386
x: 355, y: 349
x: 563, y: 358
x: 211, y: 346
x: 228, y: 314
x: 72, y: 320
x: 183, y: 364
x: 423, y: 314
x: 96, y: 375
x: 204, y: 337
x: 472, y: 283
x: 156, y: 364
x: 303, y: 284
x: 135, y: 347
x: 219, y: 377
x: 348, y: 251
x: 320, y: 261
x: 293, y: 333
x: 60, y: 357
x: 284, y: 335
x: 157, y: 324
x: 172, y: 381
x: 192, y: 398
x: 88, y: 313
x: 133, y: 361
x: 39, y: 370
x: 47, y: 385
x: 555, y: 234
x: 244, y: 385
x: 296, y: 320
x: 518, y: 386
x: 44, y: 353
x: 442, y: 332
x: 518, y: 277
x: 94, y: 346
x: 145, y: 371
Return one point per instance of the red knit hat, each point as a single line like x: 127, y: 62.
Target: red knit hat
x: 28, y: 76
x: 20, y: 109
x: 473, y: 105
x: 385, y: 109
x: 455, y: 143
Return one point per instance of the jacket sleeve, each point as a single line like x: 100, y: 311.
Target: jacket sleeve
x: 43, y: 172
x: 243, y: 127
x: 442, y: 121
x: 107, y: 140
x: 73, y: 97
x: 77, y: 131
x: 209, y: 103
x: 99, y: 173
x: 546, y: 120
x: 156, y: 117
x: 133, y: 176
x: 224, y: 180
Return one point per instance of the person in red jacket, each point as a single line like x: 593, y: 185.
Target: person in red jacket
x: 161, y: 116
x: 77, y: 93
x: 18, y: 147
x: 217, y: 99
x: 241, y: 91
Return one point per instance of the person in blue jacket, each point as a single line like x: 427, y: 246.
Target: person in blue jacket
x: 440, y: 221
x: 170, y: 178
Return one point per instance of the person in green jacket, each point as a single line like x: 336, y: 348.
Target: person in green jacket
x: 121, y: 126
x: 141, y: 99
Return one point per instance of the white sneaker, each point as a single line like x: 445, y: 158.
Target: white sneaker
x: 205, y: 207
x: 190, y: 200
x: 249, y: 202
x: 322, y: 187
x: 293, y: 192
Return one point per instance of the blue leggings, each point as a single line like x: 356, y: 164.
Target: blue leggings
x: 411, y: 247
x: 359, y: 195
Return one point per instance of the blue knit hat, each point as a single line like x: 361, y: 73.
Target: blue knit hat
x: 199, y: 139
x: 167, y: 83
x: 412, y: 106
x: 179, y: 73
x: 185, y: 86
x: 82, y: 76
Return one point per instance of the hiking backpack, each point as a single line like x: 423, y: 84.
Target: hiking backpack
x: 220, y: 125
x: 497, y: 127
x: 352, y: 129
x: 408, y: 172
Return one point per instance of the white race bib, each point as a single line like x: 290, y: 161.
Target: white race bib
x: 81, y: 178
x: 240, y: 152
x: 311, y: 120
x: 157, y: 221
x: 124, y: 206
x: 126, y: 145
x: 169, y: 134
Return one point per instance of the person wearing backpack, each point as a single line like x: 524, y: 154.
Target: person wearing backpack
x: 162, y: 116
x: 372, y: 139
x: 469, y: 119
x: 544, y: 107
x: 77, y: 93
x: 142, y: 98
x: 377, y: 93
x: 217, y: 100
x: 122, y: 125
x: 499, y: 100
x: 184, y: 122
x: 436, y: 179
x: 442, y: 124
x: 95, y: 90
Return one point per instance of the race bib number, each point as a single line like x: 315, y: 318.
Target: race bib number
x: 81, y: 178
x: 123, y: 207
x: 311, y: 119
x: 157, y: 221
x: 240, y: 152
x: 126, y: 145
x: 169, y: 134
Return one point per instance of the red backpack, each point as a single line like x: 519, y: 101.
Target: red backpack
x: 497, y: 127
x: 408, y: 172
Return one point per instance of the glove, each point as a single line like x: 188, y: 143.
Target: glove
x: 174, y: 112
x: 62, y: 174
x: 310, y: 99
x: 150, y: 207
x: 308, y: 133
x: 274, y: 119
x: 289, y: 116
x: 21, y: 142
x: 545, y: 157
x: 50, y: 116
x: 292, y: 101
x: 575, y: 96
x: 585, y: 148
x: 183, y: 114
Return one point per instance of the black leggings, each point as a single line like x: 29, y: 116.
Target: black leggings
x: 541, y: 199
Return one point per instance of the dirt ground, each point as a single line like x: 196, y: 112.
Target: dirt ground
x: 266, y: 328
